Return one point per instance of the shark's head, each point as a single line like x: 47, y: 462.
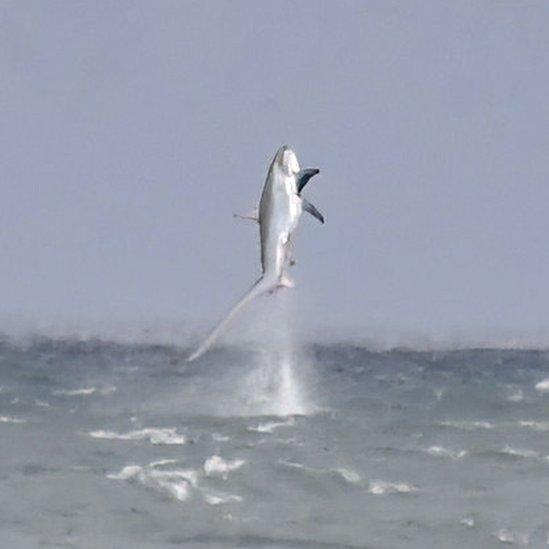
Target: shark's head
x: 287, y: 160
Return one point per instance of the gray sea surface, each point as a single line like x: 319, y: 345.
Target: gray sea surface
x: 128, y: 445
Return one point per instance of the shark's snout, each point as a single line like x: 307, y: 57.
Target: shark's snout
x: 287, y: 160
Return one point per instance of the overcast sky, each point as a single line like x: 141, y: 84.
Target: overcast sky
x: 131, y: 131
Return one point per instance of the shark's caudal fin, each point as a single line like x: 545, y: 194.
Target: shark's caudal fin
x: 262, y: 286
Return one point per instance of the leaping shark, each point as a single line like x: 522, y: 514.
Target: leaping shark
x: 280, y: 208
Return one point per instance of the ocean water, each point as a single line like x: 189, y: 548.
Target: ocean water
x: 116, y: 445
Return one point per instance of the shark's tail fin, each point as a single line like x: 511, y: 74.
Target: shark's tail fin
x: 262, y: 286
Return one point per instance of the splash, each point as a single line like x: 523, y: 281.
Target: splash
x: 275, y: 386
x: 289, y: 399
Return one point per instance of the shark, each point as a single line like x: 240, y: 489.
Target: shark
x: 278, y: 214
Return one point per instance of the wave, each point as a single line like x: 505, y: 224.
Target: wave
x: 11, y: 419
x: 382, y: 487
x: 516, y: 396
x: 179, y: 484
x: 185, y: 335
x: 85, y: 391
x: 174, y: 483
x: 467, y: 425
x: 217, y: 466
x: 218, y: 437
x: 347, y: 475
x: 219, y: 498
x: 519, y: 453
x: 270, y: 426
x: 542, y: 386
x: 74, y: 392
x: 513, y: 538
x: 535, y: 425
x: 440, y: 451
x: 291, y: 441
x: 161, y: 462
x: 164, y: 435
x: 468, y: 522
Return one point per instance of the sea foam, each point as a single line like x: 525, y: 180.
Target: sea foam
x: 166, y: 435
x: 11, y: 419
x: 175, y: 483
x: 270, y: 426
x: 542, y: 386
x: 217, y: 466
x: 348, y: 475
x: 520, y: 452
x: 535, y: 425
x: 381, y: 487
x: 75, y: 392
x: 467, y: 425
x: 512, y: 538
x: 219, y: 498
x: 440, y: 451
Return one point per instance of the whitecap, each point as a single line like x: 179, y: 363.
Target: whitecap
x: 439, y: 393
x: 381, y: 487
x: 129, y: 471
x: 270, y: 426
x: 162, y: 462
x: 219, y: 498
x: 543, y: 386
x: 11, y: 419
x: 294, y: 465
x: 348, y: 475
x: 440, y: 451
x: 165, y: 435
x: 535, y: 425
x: 175, y: 483
x: 217, y: 466
x: 42, y: 403
x: 517, y: 396
x: 291, y: 441
x: 517, y: 452
x: 467, y: 425
x: 75, y: 392
x: 512, y: 538
x: 220, y: 438
x: 469, y: 522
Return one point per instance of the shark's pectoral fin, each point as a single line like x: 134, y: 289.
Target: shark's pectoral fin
x: 252, y: 216
x: 308, y: 207
x: 303, y: 176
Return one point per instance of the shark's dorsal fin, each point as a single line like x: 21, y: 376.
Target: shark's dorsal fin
x: 303, y: 176
x: 308, y: 207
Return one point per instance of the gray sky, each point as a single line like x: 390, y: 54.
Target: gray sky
x: 131, y: 132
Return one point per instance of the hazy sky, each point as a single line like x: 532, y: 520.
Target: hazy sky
x: 131, y: 131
